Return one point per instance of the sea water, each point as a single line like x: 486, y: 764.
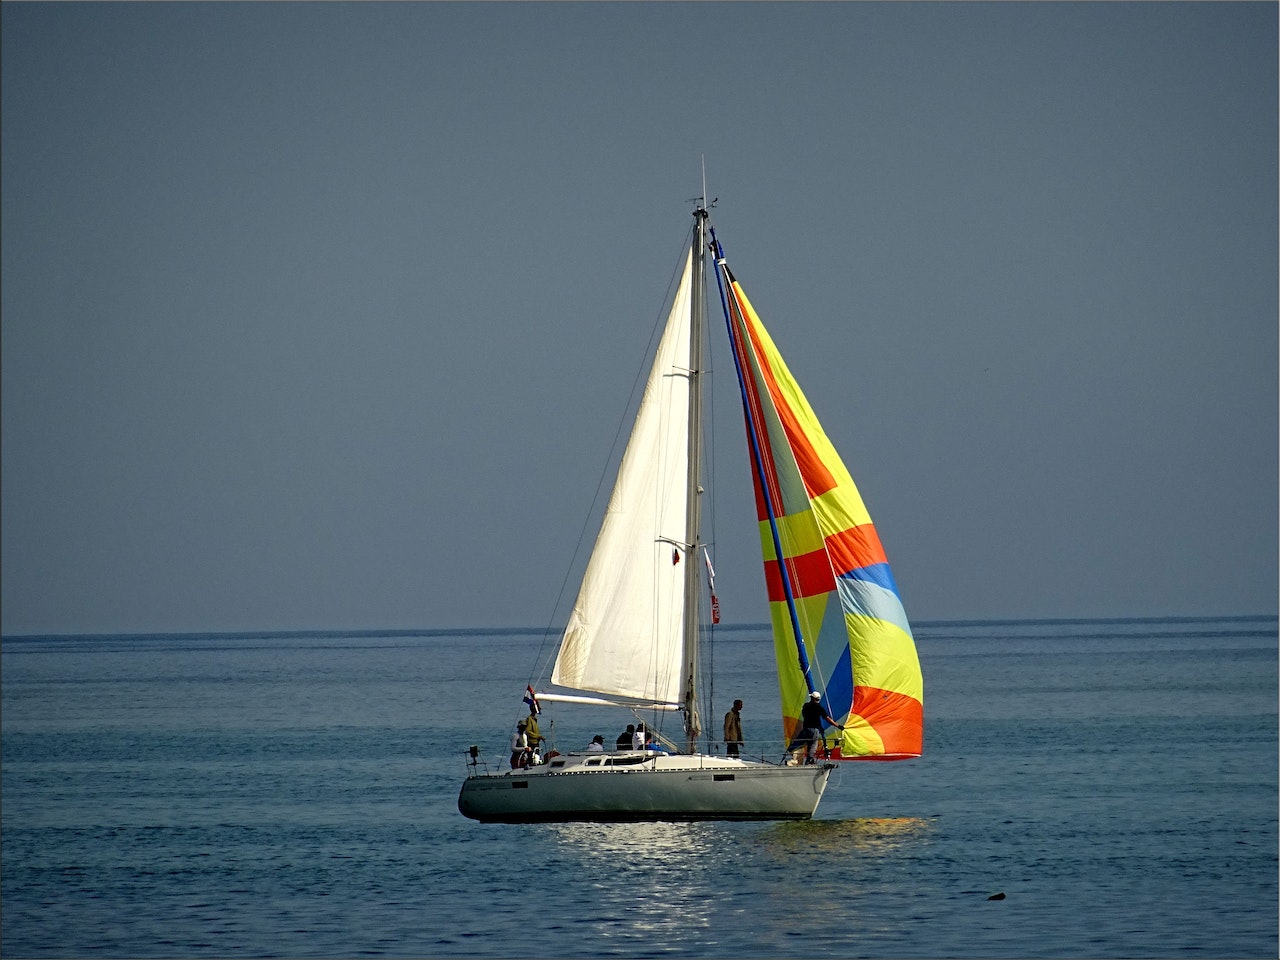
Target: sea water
x: 1111, y: 784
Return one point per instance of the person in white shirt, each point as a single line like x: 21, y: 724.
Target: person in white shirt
x: 520, y: 747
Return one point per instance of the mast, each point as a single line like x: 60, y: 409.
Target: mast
x: 693, y: 508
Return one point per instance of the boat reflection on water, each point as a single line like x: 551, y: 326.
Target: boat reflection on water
x: 655, y: 881
x: 873, y: 835
x: 695, y: 845
x: 666, y: 882
x: 639, y: 842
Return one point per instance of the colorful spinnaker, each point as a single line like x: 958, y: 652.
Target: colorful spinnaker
x: 838, y: 623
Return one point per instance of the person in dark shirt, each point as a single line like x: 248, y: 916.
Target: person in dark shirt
x: 812, y: 718
x: 733, y: 729
x: 625, y: 737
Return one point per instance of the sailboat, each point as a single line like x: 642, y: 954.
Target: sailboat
x: 841, y: 636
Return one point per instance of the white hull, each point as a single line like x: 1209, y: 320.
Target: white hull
x: 645, y: 786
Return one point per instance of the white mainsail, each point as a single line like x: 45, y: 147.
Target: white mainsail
x: 624, y: 635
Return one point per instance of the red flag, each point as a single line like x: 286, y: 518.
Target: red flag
x: 675, y: 557
x: 531, y: 699
x: 715, y: 609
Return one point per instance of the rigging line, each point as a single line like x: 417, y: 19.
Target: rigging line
x: 544, y: 657
x: 722, y: 268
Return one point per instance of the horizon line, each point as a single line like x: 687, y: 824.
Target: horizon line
x: 373, y: 632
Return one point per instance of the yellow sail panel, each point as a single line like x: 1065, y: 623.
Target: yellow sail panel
x: 799, y: 534
x: 841, y: 508
x: 885, y: 655
x: 858, y: 739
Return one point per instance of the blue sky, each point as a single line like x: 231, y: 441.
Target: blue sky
x: 324, y: 316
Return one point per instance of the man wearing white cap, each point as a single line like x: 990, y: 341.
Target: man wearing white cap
x: 811, y: 719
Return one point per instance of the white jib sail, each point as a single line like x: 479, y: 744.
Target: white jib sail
x: 624, y: 634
